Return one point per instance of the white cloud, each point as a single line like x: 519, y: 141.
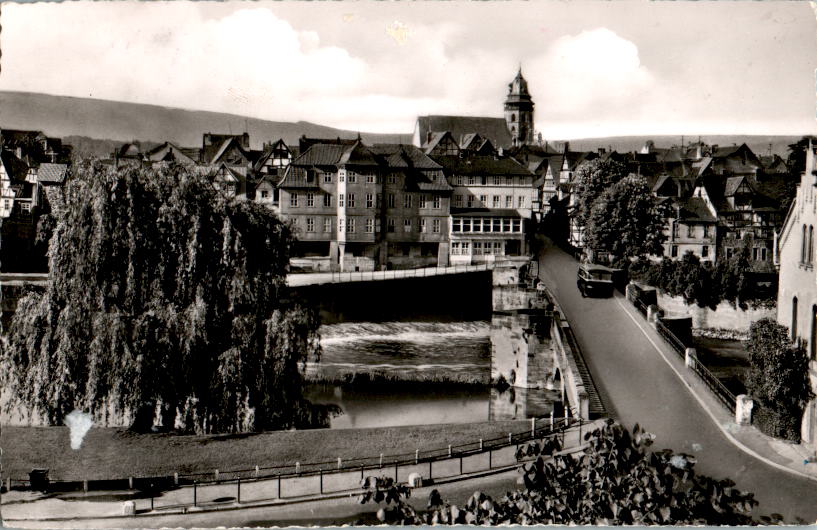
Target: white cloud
x: 376, y: 69
x: 595, y: 68
x: 247, y: 62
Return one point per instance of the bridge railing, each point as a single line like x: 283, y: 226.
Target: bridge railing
x: 365, y: 276
x: 676, y: 343
x: 724, y: 395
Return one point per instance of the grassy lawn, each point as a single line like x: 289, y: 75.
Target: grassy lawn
x: 727, y: 359
x: 118, y: 453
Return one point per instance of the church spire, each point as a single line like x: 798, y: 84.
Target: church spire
x: 519, y: 110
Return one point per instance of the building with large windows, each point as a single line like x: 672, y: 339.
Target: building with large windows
x: 356, y: 207
x: 797, y: 291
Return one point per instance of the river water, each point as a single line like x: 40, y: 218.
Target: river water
x: 417, y: 351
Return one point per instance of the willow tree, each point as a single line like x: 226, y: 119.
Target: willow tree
x: 163, y: 295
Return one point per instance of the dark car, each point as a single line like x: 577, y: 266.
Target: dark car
x: 595, y: 280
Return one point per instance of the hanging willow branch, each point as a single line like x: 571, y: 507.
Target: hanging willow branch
x: 162, y: 294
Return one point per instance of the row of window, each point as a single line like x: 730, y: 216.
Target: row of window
x: 486, y: 224
x: 676, y: 230
x: 423, y: 226
x: 704, y: 251
x: 473, y: 180
x: 345, y: 175
x: 484, y: 201
x: 372, y: 200
x: 349, y: 225
x: 758, y: 253
x: 476, y: 248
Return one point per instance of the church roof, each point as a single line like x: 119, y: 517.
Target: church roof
x: 494, y: 129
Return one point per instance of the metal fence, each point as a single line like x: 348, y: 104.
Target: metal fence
x: 319, y: 475
x: 724, y: 395
x: 671, y: 339
x: 714, y: 384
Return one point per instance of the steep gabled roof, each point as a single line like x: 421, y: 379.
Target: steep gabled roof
x: 437, y: 138
x: 167, y: 152
x: 470, y: 141
x: 732, y: 185
x: 695, y: 209
x: 494, y: 129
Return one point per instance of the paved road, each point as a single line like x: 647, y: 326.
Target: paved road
x: 639, y: 387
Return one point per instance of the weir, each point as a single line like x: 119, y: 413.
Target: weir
x: 532, y: 345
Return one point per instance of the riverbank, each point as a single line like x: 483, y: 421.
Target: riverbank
x: 108, y: 453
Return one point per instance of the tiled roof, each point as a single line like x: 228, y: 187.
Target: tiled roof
x: 321, y: 155
x: 168, y: 151
x: 495, y: 129
x: 193, y: 153
x: 358, y: 155
x: 400, y: 155
x: 436, y: 138
x: 695, y: 209
x: 722, y: 152
x: 213, y: 145
x: 732, y: 185
x: 52, y: 173
x: 482, y: 165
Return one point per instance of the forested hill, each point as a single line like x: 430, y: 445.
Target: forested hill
x: 91, y: 120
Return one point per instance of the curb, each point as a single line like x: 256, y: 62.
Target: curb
x: 729, y: 436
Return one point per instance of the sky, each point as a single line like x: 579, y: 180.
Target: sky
x: 593, y: 68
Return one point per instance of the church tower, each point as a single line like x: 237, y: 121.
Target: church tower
x: 519, y: 111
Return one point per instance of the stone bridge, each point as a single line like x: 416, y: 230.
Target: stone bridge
x: 532, y: 345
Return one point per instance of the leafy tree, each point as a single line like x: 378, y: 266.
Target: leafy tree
x: 796, y: 160
x: 592, y: 180
x: 626, y: 220
x: 615, y: 480
x: 162, y: 293
x: 778, y: 379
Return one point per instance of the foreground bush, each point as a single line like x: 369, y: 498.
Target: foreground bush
x: 615, y: 480
x: 778, y: 380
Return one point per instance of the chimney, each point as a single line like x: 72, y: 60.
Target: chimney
x: 428, y: 137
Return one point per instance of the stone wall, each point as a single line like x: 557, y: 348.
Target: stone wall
x: 724, y: 317
x: 521, y: 349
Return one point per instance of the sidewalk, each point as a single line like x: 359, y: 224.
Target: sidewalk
x: 782, y: 455
x: 174, y: 507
